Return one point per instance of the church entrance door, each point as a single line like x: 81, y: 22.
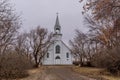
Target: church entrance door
x: 57, y: 60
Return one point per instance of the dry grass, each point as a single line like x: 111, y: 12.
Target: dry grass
x: 36, y: 70
x: 95, y: 73
x: 35, y: 74
x: 111, y: 77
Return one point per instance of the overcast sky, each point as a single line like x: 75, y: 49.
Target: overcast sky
x: 43, y: 13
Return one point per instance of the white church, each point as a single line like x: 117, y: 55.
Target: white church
x: 58, y: 52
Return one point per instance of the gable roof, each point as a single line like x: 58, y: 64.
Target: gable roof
x: 65, y: 45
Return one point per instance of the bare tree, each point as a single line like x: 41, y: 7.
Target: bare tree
x: 79, y: 46
x: 40, y: 41
x: 9, y: 24
x: 103, y: 34
x: 103, y: 9
x: 105, y: 20
x: 22, y: 46
x: 104, y: 26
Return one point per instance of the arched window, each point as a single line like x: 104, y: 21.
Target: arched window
x: 57, y: 28
x: 47, y: 55
x: 67, y: 55
x: 57, y: 49
x: 57, y: 57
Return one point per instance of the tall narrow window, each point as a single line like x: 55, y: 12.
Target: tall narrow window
x: 57, y: 49
x: 47, y: 55
x: 67, y: 55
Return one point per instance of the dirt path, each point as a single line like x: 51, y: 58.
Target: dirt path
x: 65, y: 73
x: 55, y: 73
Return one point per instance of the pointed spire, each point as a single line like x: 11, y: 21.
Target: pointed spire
x: 57, y: 20
x: 57, y: 25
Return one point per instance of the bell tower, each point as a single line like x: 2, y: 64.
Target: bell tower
x: 57, y: 29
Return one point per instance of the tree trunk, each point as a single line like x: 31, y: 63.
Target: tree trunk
x: 36, y: 65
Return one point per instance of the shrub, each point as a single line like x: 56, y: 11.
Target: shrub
x: 101, y: 60
x: 14, y: 66
x: 88, y: 64
x: 76, y: 63
x: 109, y: 59
x: 114, y: 68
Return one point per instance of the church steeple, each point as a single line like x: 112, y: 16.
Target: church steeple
x: 57, y: 30
x: 57, y: 27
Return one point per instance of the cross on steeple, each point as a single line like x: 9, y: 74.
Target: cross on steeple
x: 57, y: 13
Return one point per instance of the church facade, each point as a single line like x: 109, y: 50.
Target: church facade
x: 58, y: 52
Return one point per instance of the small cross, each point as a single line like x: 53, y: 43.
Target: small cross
x: 57, y: 13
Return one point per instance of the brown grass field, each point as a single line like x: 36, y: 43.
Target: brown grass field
x: 95, y: 73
